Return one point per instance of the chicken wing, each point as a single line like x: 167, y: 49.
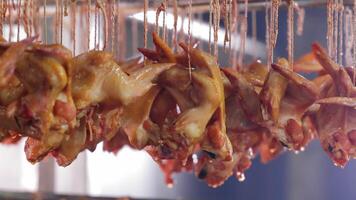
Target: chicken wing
x: 98, y: 78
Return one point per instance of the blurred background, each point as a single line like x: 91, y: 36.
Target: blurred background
x: 307, y: 175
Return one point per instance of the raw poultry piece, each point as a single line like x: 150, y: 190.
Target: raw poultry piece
x: 189, y: 126
x: 93, y: 125
x: 199, y: 94
x: 214, y: 171
x: 135, y: 117
x: 109, y: 107
x: 334, y: 115
x: 216, y: 140
x: 181, y: 108
x: 273, y: 91
x: 46, y: 111
x: 300, y: 94
x: 286, y: 101
x: 248, y: 97
x: 244, y: 115
x: 192, y: 118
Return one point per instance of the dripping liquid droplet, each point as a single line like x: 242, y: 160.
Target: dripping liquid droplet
x: 240, y: 176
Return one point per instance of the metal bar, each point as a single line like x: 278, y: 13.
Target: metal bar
x: 185, y: 3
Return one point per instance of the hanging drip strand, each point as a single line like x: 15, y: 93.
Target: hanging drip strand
x: 9, y: 6
x: 230, y: 24
x: 300, y: 19
x: 267, y: 35
x: 45, y: 21
x: 336, y: 31
x: 145, y: 25
x: 73, y: 23
x: 36, y: 20
x: 341, y: 31
x: 18, y: 19
x: 1, y: 16
x: 354, y: 34
x: 243, y: 34
x: 175, y: 22
x: 189, y: 38
x: 210, y: 22
x: 112, y: 7
x: 31, y: 16
x: 164, y: 21
x: 88, y: 23
x: 161, y: 8
x: 26, y: 18
x: 101, y: 6
x: 254, y: 29
x: 272, y: 29
x: 349, y: 37
x: 216, y: 8
x: 235, y: 18
x: 226, y: 23
x: 4, y: 9
x: 330, y: 31
x: 66, y: 8
x: 274, y: 21
x: 99, y: 26
x: 117, y: 29
x: 95, y: 25
x: 290, y: 32
x: 61, y: 18
x: 56, y: 23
